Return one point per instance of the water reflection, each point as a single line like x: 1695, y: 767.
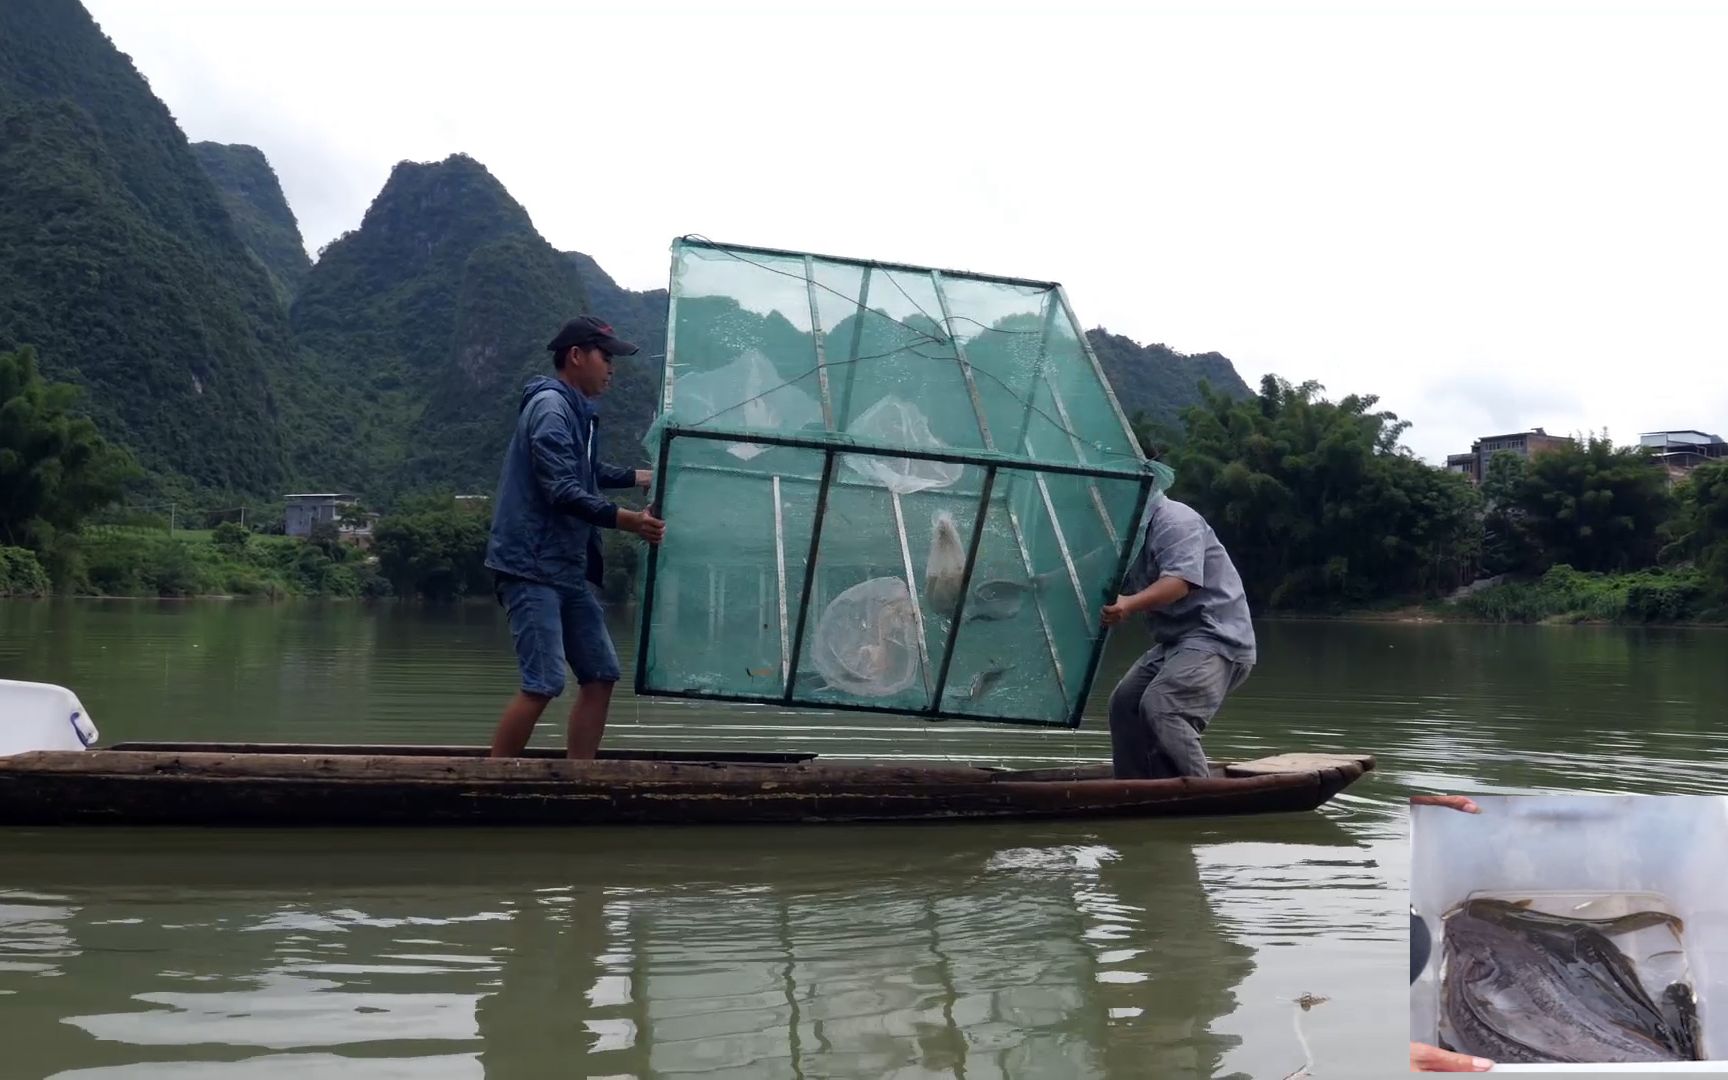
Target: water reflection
x: 291, y: 1067
x: 968, y: 953
x: 1088, y: 949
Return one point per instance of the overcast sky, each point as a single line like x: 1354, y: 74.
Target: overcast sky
x: 1495, y: 216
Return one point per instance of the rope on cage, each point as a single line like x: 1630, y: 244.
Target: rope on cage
x: 812, y: 282
x: 800, y: 377
x: 915, y: 331
x: 873, y: 265
x: 894, y: 281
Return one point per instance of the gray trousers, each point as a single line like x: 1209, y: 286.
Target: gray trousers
x: 1161, y: 706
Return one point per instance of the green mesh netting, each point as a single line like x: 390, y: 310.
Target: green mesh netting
x: 809, y: 561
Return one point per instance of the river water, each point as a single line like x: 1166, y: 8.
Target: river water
x: 1120, y: 949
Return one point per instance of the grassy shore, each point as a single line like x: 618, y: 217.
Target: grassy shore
x: 119, y: 561
x: 1562, y: 595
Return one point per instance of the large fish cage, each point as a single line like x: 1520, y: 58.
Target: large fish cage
x: 887, y: 488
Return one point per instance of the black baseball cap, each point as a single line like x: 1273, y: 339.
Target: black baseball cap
x: 590, y: 333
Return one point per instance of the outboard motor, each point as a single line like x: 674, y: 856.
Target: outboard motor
x: 42, y: 716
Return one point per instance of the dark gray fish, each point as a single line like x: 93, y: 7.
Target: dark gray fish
x: 1592, y: 954
x: 1506, y: 997
x: 1519, y: 912
x: 810, y: 682
x: 985, y: 681
x: 1680, y: 1010
x: 1582, y: 945
x: 1002, y: 598
x: 996, y: 599
x: 1578, y: 941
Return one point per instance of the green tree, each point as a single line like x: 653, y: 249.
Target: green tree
x: 314, y: 567
x: 1318, y: 503
x: 328, y: 540
x: 21, y: 574
x: 433, y: 549
x: 177, y: 571
x: 1593, y: 506
x: 1700, y: 526
x: 1507, y: 543
x: 231, y: 536
x: 55, y: 468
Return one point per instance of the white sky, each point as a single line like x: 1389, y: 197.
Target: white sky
x: 1495, y: 216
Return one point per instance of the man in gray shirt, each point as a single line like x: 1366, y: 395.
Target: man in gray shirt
x: 1186, y: 586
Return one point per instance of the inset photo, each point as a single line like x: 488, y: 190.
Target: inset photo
x: 1569, y: 934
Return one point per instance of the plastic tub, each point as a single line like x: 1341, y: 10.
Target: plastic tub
x: 1671, y: 849
x: 42, y: 716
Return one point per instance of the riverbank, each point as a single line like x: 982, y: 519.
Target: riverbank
x: 431, y: 548
x: 115, y: 561
x: 1668, y: 596
x: 127, y: 564
x: 1562, y: 596
x: 1442, y: 614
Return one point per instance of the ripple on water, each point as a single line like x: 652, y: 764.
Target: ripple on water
x: 285, y: 1012
x: 1064, y: 950
x: 293, y: 1067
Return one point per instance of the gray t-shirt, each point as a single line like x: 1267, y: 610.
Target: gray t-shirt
x: 1214, y: 614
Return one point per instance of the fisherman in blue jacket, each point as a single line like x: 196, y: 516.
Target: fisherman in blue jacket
x: 545, y: 545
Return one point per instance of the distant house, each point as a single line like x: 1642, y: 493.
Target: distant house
x: 1526, y: 444
x: 1682, y: 451
x: 309, y: 510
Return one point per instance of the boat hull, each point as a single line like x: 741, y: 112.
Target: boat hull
x: 325, y: 786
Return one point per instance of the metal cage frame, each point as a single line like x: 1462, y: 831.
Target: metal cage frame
x: 992, y: 459
x: 794, y: 627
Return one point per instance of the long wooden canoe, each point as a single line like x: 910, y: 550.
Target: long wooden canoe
x: 295, y: 785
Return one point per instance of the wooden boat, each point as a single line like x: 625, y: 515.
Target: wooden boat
x: 160, y: 783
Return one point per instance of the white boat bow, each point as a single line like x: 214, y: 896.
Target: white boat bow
x: 42, y: 716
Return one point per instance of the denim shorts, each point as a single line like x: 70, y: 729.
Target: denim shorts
x: 552, y: 624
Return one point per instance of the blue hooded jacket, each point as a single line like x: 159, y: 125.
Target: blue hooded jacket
x: 548, y: 513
